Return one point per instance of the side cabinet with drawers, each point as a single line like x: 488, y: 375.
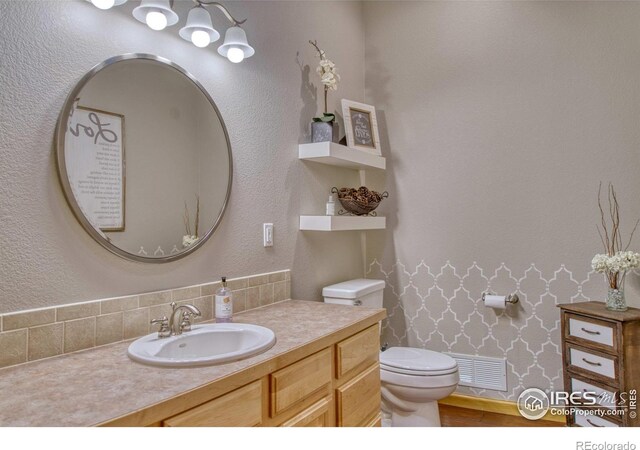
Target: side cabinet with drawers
x: 336, y: 386
x: 601, y: 352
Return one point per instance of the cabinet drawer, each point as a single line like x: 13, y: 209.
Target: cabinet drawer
x: 358, y: 401
x: 299, y: 380
x: 361, y: 349
x: 317, y: 415
x: 376, y: 421
x: 592, y: 330
x: 240, y: 408
x: 592, y: 421
x: 592, y: 363
x: 604, y: 397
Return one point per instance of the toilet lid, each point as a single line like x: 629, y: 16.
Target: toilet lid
x: 416, y: 361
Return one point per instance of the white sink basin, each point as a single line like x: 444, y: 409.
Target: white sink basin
x: 203, y: 345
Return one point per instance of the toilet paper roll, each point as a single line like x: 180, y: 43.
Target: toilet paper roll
x: 495, y: 301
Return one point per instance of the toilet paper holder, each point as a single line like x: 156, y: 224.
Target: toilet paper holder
x: 511, y: 298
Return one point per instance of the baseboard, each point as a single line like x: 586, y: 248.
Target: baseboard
x: 492, y: 405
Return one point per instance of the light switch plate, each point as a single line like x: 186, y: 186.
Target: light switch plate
x: 267, y: 234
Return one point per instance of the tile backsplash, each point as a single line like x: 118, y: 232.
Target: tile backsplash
x: 42, y: 333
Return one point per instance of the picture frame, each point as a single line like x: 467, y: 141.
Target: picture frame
x: 361, y: 126
x: 97, y: 175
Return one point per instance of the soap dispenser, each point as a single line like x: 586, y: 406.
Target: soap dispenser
x: 224, y: 303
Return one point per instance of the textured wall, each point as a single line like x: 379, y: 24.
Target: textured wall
x: 500, y: 119
x: 267, y: 103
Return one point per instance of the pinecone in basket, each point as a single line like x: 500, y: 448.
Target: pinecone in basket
x: 361, y: 195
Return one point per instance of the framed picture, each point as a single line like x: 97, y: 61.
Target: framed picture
x: 361, y: 126
x: 95, y: 159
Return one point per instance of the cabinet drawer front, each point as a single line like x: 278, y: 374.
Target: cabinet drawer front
x: 592, y: 421
x: 593, y: 363
x: 360, y: 349
x: 299, y: 380
x: 376, y: 421
x: 605, y: 397
x: 359, y: 399
x: 317, y: 415
x: 240, y: 408
x: 592, y: 330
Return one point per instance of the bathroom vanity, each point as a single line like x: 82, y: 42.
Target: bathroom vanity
x: 322, y: 371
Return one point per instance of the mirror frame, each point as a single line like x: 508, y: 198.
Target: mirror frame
x: 59, y: 140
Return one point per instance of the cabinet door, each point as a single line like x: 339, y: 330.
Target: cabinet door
x: 317, y: 415
x: 239, y: 408
x: 358, y: 401
x: 300, y: 380
x: 358, y: 351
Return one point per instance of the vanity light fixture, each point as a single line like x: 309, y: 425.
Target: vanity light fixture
x: 157, y: 14
x: 106, y: 4
x: 201, y: 33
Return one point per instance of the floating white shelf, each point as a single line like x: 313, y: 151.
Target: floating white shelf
x: 342, y: 223
x: 340, y: 155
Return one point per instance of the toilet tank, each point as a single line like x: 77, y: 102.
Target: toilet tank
x: 355, y: 293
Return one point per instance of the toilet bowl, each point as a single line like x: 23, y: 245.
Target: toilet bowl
x: 412, y: 379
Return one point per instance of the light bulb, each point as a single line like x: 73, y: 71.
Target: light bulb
x: 103, y: 4
x: 235, y: 54
x: 156, y: 20
x: 200, y: 38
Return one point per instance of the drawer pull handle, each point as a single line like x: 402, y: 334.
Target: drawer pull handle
x: 590, y: 331
x: 591, y: 362
x: 594, y: 425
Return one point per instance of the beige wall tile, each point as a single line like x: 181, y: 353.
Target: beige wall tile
x: 266, y: 294
x: 79, y: 334
x: 278, y: 276
x: 77, y: 311
x: 155, y: 298
x: 239, y: 300
x: 209, y: 289
x: 28, y: 319
x: 205, y: 305
x: 253, y: 298
x: 279, y: 291
x: 185, y: 293
x: 109, y: 328
x: 119, y: 304
x: 288, y: 295
x: 45, y: 341
x: 287, y: 275
x: 257, y: 280
x: 238, y: 283
x: 13, y: 347
x: 158, y: 312
x: 136, y: 323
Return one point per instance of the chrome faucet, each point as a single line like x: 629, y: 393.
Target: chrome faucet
x: 178, y: 322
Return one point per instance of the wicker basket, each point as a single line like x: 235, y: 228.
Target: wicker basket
x: 358, y: 208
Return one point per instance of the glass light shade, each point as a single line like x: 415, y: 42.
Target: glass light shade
x: 106, y: 4
x: 146, y: 13
x: 236, y: 39
x: 199, y: 28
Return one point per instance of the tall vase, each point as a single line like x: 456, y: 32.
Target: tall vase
x: 615, y: 300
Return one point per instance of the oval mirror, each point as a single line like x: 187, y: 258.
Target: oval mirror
x: 144, y: 158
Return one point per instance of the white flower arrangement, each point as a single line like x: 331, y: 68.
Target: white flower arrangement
x: 188, y: 241
x: 329, y: 78
x: 617, y: 261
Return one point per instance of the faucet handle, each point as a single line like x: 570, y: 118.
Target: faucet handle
x: 164, y: 330
x: 185, y: 325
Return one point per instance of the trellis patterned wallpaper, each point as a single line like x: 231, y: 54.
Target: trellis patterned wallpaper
x: 439, y: 308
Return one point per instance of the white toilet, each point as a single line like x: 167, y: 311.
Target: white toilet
x: 413, y: 379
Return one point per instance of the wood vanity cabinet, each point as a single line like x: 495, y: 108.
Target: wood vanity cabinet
x: 336, y: 386
x: 600, y: 353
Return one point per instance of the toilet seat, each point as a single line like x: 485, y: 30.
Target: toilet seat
x: 417, y: 362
